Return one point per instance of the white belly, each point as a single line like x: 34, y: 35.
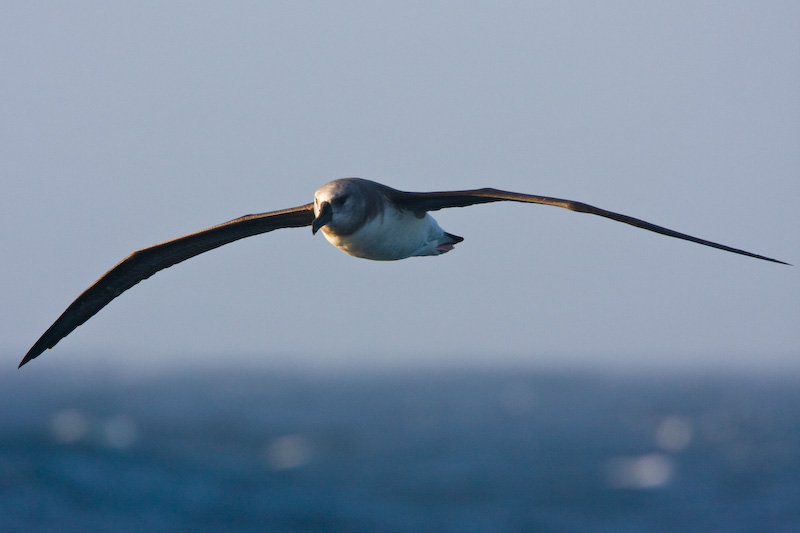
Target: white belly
x: 392, y: 236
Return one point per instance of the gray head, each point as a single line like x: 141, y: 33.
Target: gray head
x: 342, y: 206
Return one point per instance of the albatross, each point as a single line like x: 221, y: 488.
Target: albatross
x: 360, y: 217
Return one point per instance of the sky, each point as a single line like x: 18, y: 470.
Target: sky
x: 125, y: 124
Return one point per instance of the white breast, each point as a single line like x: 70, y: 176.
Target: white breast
x: 391, y: 236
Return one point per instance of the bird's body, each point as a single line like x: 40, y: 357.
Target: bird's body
x: 395, y: 235
x: 360, y: 217
x: 382, y: 231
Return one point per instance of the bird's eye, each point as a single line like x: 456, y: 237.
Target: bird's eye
x: 339, y: 201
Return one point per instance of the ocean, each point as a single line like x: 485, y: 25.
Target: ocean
x: 245, y: 449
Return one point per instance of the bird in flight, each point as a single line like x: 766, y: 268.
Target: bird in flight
x: 360, y: 217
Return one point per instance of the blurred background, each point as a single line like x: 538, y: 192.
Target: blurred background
x: 572, y: 361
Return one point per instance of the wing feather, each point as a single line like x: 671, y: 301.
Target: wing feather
x: 433, y: 201
x: 143, y: 263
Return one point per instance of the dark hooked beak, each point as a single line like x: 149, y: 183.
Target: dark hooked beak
x: 325, y: 215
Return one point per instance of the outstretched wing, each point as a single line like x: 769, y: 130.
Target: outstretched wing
x: 432, y: 201
x: 143, y: 263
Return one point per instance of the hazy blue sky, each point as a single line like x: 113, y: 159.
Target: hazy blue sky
x: 126, y: 124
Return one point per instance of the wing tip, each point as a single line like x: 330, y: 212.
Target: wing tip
x: 771, y: 259
x: 32, y: 354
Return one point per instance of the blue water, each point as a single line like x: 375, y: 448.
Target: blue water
x: 245, y: 450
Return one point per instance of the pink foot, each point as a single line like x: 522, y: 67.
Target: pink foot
x: 444, y: 247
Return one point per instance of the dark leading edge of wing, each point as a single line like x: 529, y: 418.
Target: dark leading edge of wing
x: 143, y: 263
x: 432, y: 201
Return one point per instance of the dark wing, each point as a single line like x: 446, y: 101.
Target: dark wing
x: 431, y: 201
x: 143, y: 263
